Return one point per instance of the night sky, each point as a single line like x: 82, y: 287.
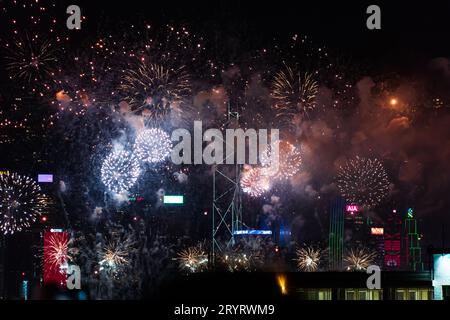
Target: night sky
x: 381, y: 94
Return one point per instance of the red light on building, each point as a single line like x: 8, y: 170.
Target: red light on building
x: 377, y: 231
x: 351, y: 208
x: 55, y: 257
x: 392, y: 255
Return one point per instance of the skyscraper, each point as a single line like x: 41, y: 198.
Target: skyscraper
x: 336, y: 234
x: 392, y: 241
x: 412, y: 245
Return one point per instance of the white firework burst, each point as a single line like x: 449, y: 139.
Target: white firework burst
x: 119, y: 171
x: 254, y: 182
x: 21, y: 202
x: 152, y: 145
x: 286, y: 165
x: 363, y: 181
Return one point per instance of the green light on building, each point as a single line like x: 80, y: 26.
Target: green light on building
x: 413, y: 238
x: 336, y: 234
x: 410, y: 213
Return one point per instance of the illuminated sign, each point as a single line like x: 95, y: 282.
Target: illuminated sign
x: 252, y: 232
x: 410, y: 213
x: 137, y: 199
x: 4, y: 172
x: 173, y: 199
x: 351, y: 208
x: 377, y: 231
x: 45, y: 178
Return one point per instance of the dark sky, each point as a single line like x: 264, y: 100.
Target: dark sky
x: 410, y: 31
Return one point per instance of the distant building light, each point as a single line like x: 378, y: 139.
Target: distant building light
x: 377, y: 231
x: 252, y: 232
x: 25, y: 289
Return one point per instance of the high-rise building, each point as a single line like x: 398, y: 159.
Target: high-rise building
x: 2, y: 268
x: 377, y: 242
x: 336, y: 234
x: 392, y: 241
x: 355, y: 228
x: 413, y: 251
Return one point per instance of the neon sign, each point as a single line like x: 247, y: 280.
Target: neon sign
x: 410, y: 213
x: 351, y: 208
x: 137, y: 199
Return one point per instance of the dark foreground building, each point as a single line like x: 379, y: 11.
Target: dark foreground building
x: 304, y: 286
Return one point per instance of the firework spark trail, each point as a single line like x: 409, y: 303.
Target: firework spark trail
x: 155, y: 91
x: 119, y: 171
x: 363, y: 181
x: 245, y: 255
x: 115, y: 255
x: 21, y: 202
x: 308, y: 259
x: 236, y: 261
x: 193, y: 259
x: 30, y: 59
x: 359, y: 259
x: 152, y: 145
x: 293, y: 93
x: 254, y: 182
x: 289, y: 161
x: 58, y: 251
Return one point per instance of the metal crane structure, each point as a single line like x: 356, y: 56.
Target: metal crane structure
x: 227, y: 199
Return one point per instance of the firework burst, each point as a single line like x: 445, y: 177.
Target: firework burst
x: 363, y: 181
x: 254, y: 182
x: 57, y: 247
x: 21, y: 202
x: 153, y: 145
x: 308, y: 259
x: 243, y: 256
x: 155, y: 91
x: 288, y: 163
x: 30, y: 59
x: 359, y: 259
x: 237, y: 261
x: 119, y: 171
x: 115, y: 255
x: 193, y: 259
x: 293, y: 93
